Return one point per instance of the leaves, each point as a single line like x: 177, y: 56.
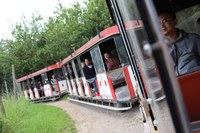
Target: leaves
x: 37, y: 44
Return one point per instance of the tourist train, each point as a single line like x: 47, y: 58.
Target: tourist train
x: 145, y: 72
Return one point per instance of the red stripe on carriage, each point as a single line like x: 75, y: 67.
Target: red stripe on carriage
x: 111, y: 88
x: 128, y: 82
x: 81, y: 87
x: 97, y: 83
x: 58, y: 87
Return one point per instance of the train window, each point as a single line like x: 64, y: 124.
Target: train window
x: 130, y: 12
x: 97, y: 60
x: 49, y: 75
x: 189, y: 19
x: 66, y: 71
x: 38, y: 78
x: 121, y: 51
x: 44, y: 78
x: 109, y: 47
x: 58, y: 74
x: 70, y: 71
x: 137, y: 37
x: 74, y: 68
x: 79, y: 66
x: 82, y: 58
x: 33, y: 82
x: 27, y: 83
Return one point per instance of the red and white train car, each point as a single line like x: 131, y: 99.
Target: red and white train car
x: 117, y: 88
x: 37, y: 86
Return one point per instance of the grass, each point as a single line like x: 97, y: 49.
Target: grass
x: 26, y: 117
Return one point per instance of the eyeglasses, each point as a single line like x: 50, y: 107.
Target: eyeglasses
x: 165, y: 21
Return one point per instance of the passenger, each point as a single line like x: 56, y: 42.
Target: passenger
x: 111, y: 62
x: 184, y: 47
x: 39, y: 86
x: 32, y: 86
x: 60, y: 78
x: 90, y: 75
x: 54, y: 83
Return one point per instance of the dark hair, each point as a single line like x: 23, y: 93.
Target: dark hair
x: 170, y: 12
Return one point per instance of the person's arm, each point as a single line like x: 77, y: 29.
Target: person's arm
x: 52, y: 82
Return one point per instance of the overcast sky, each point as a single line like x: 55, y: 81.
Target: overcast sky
x: 11, y: 11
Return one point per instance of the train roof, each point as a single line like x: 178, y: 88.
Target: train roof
x: 113, y: 30
x: 104, y: 34
x: 49, y: 68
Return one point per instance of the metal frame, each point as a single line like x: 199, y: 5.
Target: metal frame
x: 159, y: 53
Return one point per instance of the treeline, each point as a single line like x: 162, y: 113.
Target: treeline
x: 37, y: 45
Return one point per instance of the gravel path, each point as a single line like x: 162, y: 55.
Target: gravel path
x: 90, y: 119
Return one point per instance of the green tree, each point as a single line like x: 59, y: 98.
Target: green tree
x: 37, y: 45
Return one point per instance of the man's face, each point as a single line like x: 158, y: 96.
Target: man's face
x: 167, y: 24
x: 87, y: 62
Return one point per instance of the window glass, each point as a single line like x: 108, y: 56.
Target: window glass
x: 77, y: 62
x: 137, y: 37
x: 123, y: 57
x: 44, y: 78
x: 70, y: 71
x: 189, y: 19
x: 74, y: 68
x: 97, y: 60
x: 130, y: 12
x: 33, y: 82
x: 58, y: 73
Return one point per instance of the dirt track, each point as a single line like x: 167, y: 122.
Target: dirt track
x: 90, y: 119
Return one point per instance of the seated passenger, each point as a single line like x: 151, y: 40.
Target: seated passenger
x: 111, y: 62
x: 90, y: 75
x: 184, y: 47
x: 54, y: 83
x: 32, y: 86
x: 40, y: 88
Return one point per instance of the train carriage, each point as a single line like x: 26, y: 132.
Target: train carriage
x: 37, y: 86
x: 117, y: 88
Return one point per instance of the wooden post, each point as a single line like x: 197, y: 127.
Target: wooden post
x: 14, y: 82
x: 19, y: 89
x: 6, y: 86
x: 2, y: 109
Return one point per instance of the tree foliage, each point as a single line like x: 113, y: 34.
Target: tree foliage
x: 37, y: 45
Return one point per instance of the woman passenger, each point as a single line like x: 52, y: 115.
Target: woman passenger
x: 111, y: 62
